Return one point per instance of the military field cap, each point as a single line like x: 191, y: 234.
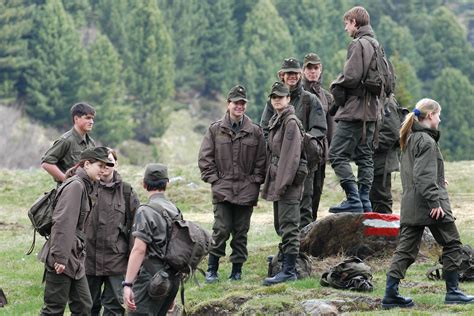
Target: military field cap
x: 280, y: 89
x: 311, y: 58
x: 290, y: 65
x: 156, y: 172
x: 237, y: 93
x: 97, y: 153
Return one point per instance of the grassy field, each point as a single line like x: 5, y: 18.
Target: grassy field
x: 20, y: 275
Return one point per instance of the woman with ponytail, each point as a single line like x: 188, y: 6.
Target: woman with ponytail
x: 63, y: 254
x: 425, y: 203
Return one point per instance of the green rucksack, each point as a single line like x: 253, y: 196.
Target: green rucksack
x: 350, y: 274
x: 41, y: 212
x: 465, y: 271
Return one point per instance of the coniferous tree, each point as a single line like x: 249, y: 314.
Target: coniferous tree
x: 455, y: 93
x: 150, y: 68
x: 187, y: 24
x: 266, y: 42
x: 219, y: 46
x: 57, y: 62
x: 112, y: 16
x: 15, y: 25
x: 408, y: 87
x: 104, y: 88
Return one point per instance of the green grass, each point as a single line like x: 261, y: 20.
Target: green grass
x: 20, y: 275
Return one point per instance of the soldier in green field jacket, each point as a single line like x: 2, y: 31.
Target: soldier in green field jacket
x: 66, y: 150
x: 425, y: 203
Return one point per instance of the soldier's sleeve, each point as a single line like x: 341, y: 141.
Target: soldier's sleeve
x: 353, y: 67
x: 317, y: 118
x: 56, y: 152
x: 267, y: 114
x: 206, y: 158
x: 147, y: 228
x: 289, y: 157
x: 65, y: 217
x: 134, y: 202
x: 261, y: 159
x: 425, y: 169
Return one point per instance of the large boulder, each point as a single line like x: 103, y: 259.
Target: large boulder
x: 357, y: 234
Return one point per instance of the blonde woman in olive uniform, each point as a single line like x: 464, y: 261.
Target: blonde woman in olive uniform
x: 425, y: 203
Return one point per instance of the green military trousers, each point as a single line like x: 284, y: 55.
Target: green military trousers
x: 111, y: 297
x: 306, y: 212
x: 445, y: 234
x: 381, y: 194
x: 346, y: 145
x: 231, y: 219
x: 318, y: 183
x: 146, y: 305
x: 61, y: 289
x: 286, y: 219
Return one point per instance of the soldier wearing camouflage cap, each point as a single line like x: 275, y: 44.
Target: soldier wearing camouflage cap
x: 310, y: 112
x: 283, y: 183
x: 149, y: 248
x: 312, y: 82
x: 63, y: 253
x: 232, y: 159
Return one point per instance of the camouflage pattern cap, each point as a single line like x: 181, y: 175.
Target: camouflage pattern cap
x: 237, y: 93
x: 97, y: 153
x: 311, y: 58
x: 155, y: 172
x: 290, y: 65
x: 280, y: 89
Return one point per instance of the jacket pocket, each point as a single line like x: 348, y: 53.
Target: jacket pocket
x: 301, y: 172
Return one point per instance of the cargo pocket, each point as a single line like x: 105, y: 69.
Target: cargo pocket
x: 301, y: 172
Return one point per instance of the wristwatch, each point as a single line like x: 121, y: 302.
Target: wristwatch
x: 129, y: 284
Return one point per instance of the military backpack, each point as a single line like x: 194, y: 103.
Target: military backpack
x: 350, y: 274
x: 465, y: 271
x: 41, y: 212
x: 380, y: 77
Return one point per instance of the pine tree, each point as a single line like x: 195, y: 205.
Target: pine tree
x: 219, y: 47
x: 57, y: 62
x: 15, y: 24
x: 455, y: 93
x: 265, y: 44
x: 150, y: 68
x: 408, y: 87
x: 105, y: 90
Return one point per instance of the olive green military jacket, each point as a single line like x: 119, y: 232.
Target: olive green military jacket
x: 313, y: 118
x: 233, y: 163
x: 107, y: 245
x: 326, y: 102
x: 359, y: 55
x: 66, y: 150
x: 66, y: 244
x: 386, y: 154
x: 423, y: 181
x: 284, y: 153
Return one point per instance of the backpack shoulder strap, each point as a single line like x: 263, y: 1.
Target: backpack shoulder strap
x: 294, y: 117
x: 127, y: 193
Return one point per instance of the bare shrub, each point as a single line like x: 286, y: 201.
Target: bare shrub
x: 22, y: 143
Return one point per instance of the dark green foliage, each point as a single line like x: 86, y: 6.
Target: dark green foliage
x: 455, y: 93
x: 266, y: 43
x: 131, y: 58
x: 15, y: 24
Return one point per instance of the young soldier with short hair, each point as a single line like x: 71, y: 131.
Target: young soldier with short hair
x: 356, y: 115
x: 66, y: 150
x: 232, y: 159
x: 150, y: 232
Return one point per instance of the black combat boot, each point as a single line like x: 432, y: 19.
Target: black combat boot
x: 287, y: 273
x: 392, y: 298
x: 352, y: 203
x: 364, y: 191
x: 212, y: 267
x: 453, y: 293
x: 236, y: 273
